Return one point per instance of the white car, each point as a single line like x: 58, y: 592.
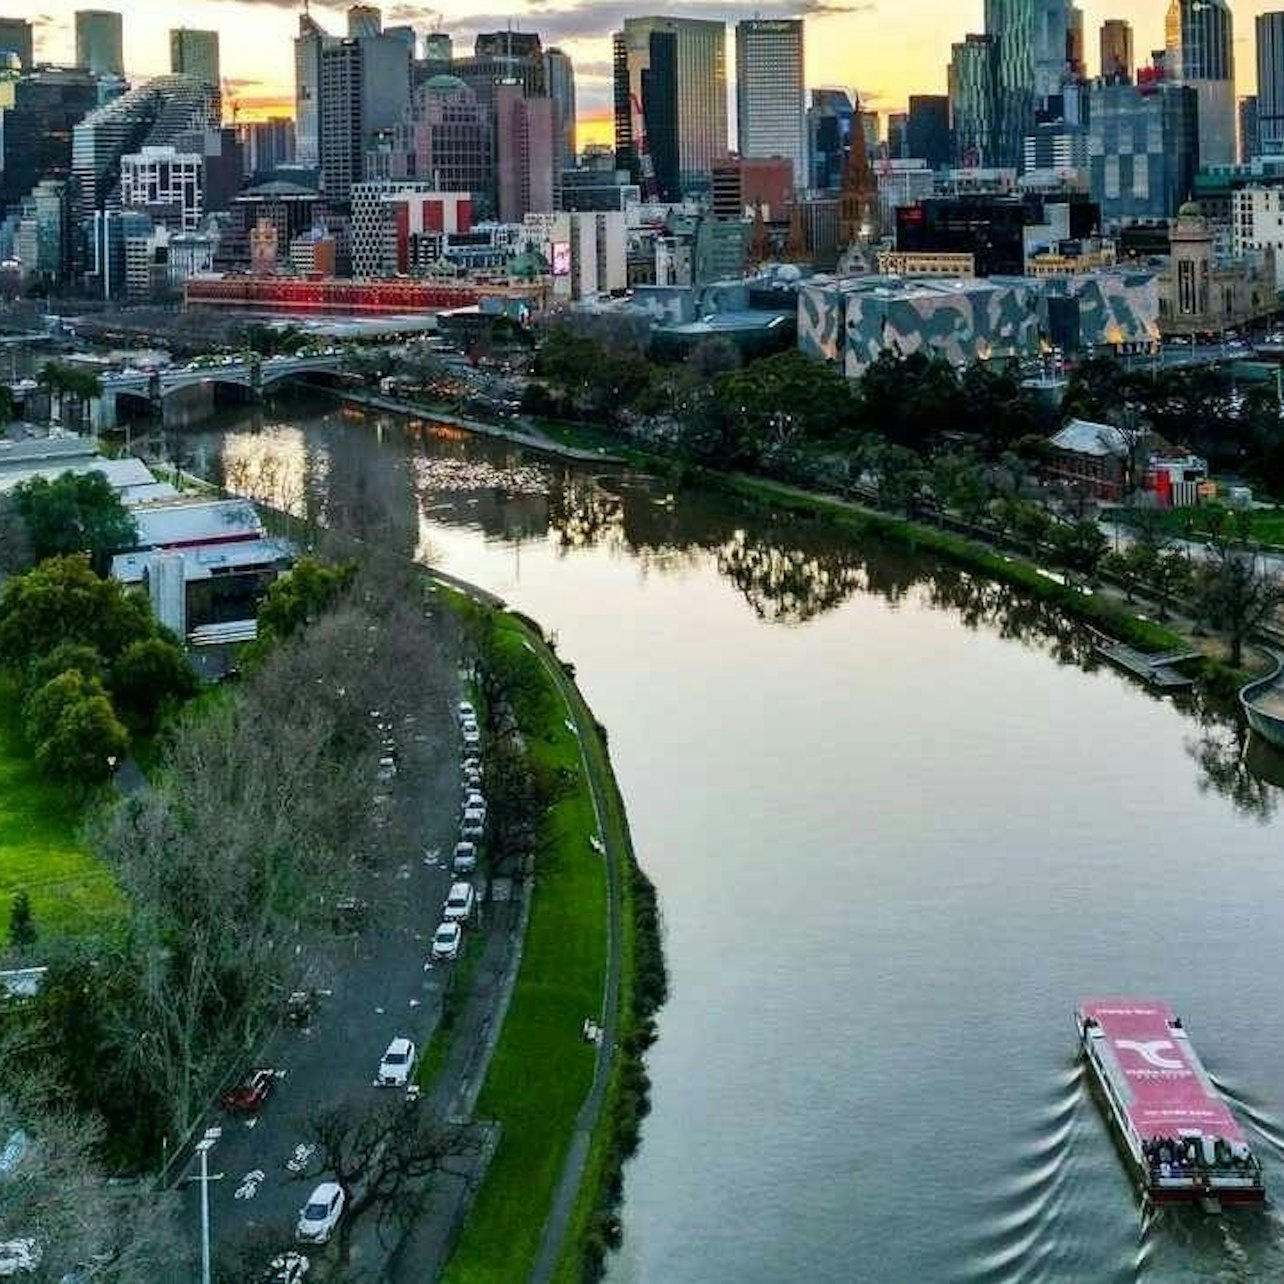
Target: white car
x: 320, y: 1215
x: 397, y: 1064
x: 446, y: 941
x: 474, y: 800
x: 465, y: 712
x: 465, y: 858
x: 473, y: 826
x: 459, y: 902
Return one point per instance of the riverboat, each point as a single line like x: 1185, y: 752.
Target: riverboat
x: 1178, y: 1135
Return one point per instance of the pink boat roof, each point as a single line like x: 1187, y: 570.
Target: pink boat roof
x: 1160, y: 1079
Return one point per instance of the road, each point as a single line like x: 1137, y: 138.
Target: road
x: 373, y: 985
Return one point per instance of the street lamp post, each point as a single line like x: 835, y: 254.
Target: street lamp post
x: 203, y: 1148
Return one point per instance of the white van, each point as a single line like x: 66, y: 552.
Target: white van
x: 459, y: 903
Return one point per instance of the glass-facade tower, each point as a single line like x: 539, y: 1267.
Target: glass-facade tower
x: 1033, y: 42
x: 1199, y: 36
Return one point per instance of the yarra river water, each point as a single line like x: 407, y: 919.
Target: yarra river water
x: 899, y: 823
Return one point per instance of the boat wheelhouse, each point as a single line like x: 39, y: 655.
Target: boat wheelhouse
x: 1180, y: 1137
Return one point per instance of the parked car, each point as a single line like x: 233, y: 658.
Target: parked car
x: 472, y: 827
x: 320, y: 1215
x: 397, y: 1064
x: 459, y: 902
x: 250, y: 1094
x: 465, y: 712
x: 474, y: 800
x: 20, y: 1255
x: 465, y: 858
x: 446, y: 941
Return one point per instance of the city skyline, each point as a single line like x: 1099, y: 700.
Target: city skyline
x: 849, y: 43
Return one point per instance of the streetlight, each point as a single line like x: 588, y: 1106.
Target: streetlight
x: 203, y: 1148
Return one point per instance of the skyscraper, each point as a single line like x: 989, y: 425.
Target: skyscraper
x: 559, y: 73
x: 700, y: 51
x: 1200, y: 52
x: 35, y: 129
x: 15, y: 38
x: 1270, y: 84
x: 1033, y: 41
x: 194, y: 53
x: 99, y: 44
x: 312, y: 38
x: 972, y: 100
x: 364, y: 20
x: 927, y: 133
x: 524, y: 155
x: 1117, y: 63
x: 770, y: 116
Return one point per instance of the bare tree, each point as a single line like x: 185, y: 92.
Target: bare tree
x: 1237, y: 594
x: 382, y: 1158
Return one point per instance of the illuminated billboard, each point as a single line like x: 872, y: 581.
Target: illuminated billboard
x: 561, y: 258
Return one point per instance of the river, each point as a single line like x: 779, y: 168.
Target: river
x: 899, y: 822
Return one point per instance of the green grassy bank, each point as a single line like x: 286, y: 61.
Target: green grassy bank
x: 541, y: 1070
x: 41, y: 850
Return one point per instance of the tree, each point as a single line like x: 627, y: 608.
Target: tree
x: 75, y: 513
x: 381, y: 1156
x: 149, y: 675
x: 22, y: 923
x: 1236, y: 594
x: 85, y: 743
x: 62, y: 600
x: 1079, y: 546
x: 302, y: 596
x: 74, y: 656
x: 15, y: 544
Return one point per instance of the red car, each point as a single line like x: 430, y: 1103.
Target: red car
x: 251, y: 1092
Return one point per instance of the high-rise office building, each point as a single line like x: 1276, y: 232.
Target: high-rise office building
x: 312, y: 38
x: 1116, y: 51
x: 972, y: 100
x: 195, y: 53
x: 499, y: 57
x: 525, y: 152
x: 364, y: 92
x: 700, y: 84
x: 99, y: 42
x: 36, y: 128
x: 770, y: 116
x: 364, y: 21
x: 1200, y: 52
x: 927, y: 131
x: 266, y: 145
x: 1076, y: 45
x: 559, y: 74
x: 829, y: 133
x: 1032, y: 43
x: 897, y: 131
x: 646, y: 116
x: 1143, y: 149
x: 1270, y: 83
x: 15, y: 38
x: 446, y: 140
x: 1249, y: 142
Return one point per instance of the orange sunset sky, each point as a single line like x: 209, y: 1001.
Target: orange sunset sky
x: 887, y: 49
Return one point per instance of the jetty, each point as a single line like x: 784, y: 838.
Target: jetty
x: 1156, y: 669
x: 1263, y: 702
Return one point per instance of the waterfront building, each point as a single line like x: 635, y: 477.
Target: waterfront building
x: 195, y: 53
x: 1116, y: 50
x: 770, y: 88
x: 99, y: 42
x: 1200, y: 52
x: 851, y: 321
x: 1143, y: 149
x: 971, y: 86
x: 15, y: 38
x: 685, y: 77
x: 927, y: 130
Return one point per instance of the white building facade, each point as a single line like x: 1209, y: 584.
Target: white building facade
x: 771, y: 116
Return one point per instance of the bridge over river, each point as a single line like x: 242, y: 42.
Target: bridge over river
x: 253, y: 374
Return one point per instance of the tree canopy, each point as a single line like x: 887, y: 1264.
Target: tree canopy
x: 75, y: 513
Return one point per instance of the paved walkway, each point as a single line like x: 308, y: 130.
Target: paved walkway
x: 528, y: 438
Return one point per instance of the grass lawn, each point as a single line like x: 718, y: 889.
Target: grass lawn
x: 541, y: 1070
x: 40, y: 847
